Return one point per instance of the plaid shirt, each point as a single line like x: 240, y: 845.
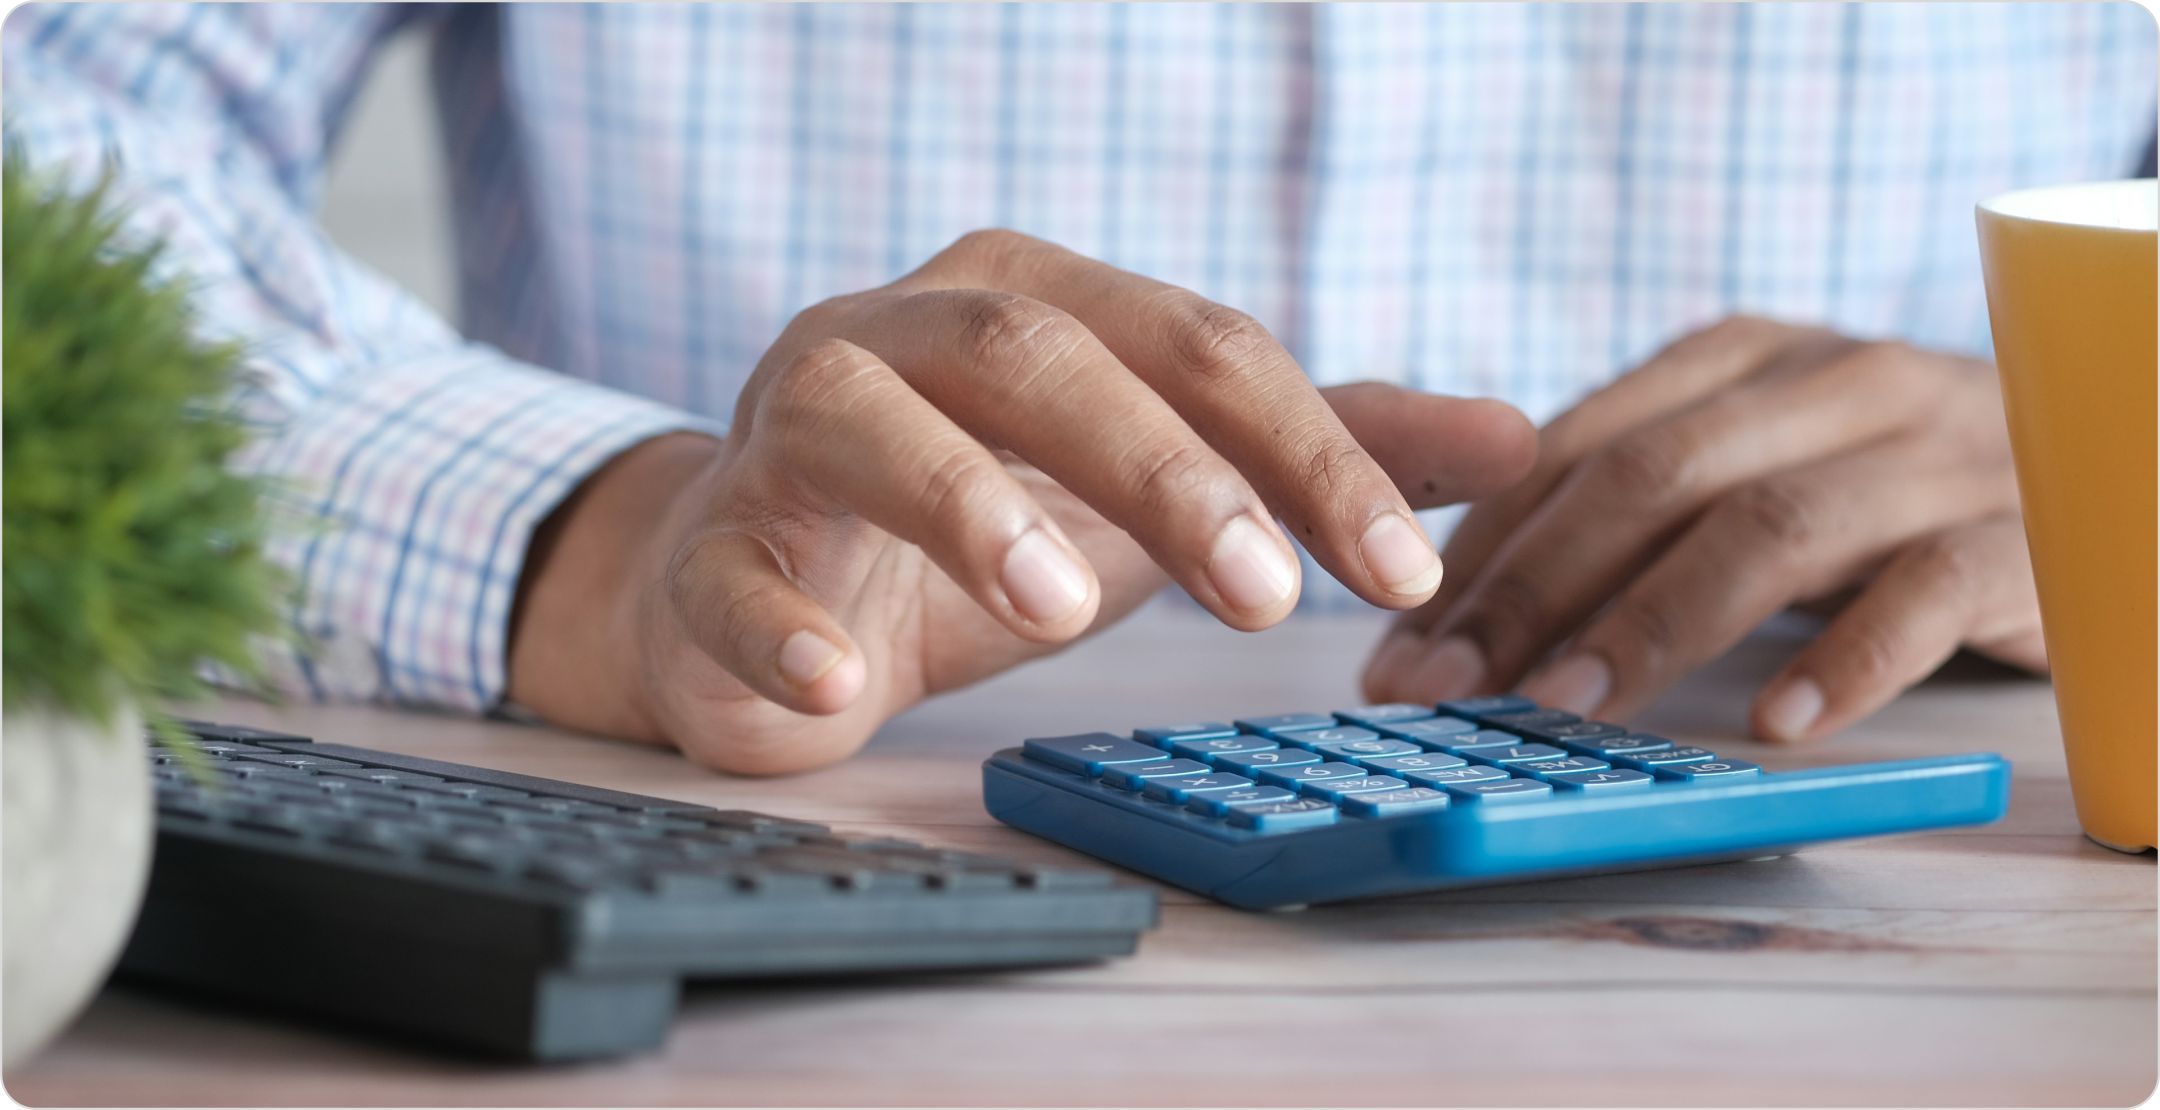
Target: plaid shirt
x: 1518, y: 200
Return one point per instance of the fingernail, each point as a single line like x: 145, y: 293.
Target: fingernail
x: 1792, y: 710
x: 1452, y: 669
x: 1399, y: 557
x: 1577, y: 684
x: 1041, y: 580
x: 805, y: 656
x: 1249, y: 569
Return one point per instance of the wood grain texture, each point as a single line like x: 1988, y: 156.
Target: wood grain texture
x: 2013, y: 964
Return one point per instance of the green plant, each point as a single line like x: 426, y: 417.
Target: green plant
x: 132, y: 556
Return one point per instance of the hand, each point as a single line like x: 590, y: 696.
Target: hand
x: 929, y: 482
x: 1746, y: 468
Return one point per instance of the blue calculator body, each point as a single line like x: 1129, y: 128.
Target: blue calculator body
x: 1303, y: 808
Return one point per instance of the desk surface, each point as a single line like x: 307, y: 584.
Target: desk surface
x: 2003, y: 965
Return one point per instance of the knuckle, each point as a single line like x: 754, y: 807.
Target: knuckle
x: 1869, y: 654
x: 1780, y: 514
x: 1005, y: 332
x: 989, y: 250
x: 1509, y: 607
x: 1650, y: 629
x: 1170, y: 478
x: 1644, y: 468
x: 953, y: 485
x: 1216, y: 342
x: 1951, y: 565
x: 1332, y: 464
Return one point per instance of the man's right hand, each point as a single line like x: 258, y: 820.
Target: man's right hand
x: 929, y: 482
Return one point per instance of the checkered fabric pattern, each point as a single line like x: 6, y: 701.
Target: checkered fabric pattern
x: 1516, y: 200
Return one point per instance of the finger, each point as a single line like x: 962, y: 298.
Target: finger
x: 1621, y: 506
x: 843, y: 429
x: 1969, y: 583
x: 1786, y: 538
x: 1025, y: 376
x: 1437, y: 450
x: 737, y: 605
x: 1243, y: 393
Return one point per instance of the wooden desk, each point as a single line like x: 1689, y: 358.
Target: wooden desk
x: 2009, y: 964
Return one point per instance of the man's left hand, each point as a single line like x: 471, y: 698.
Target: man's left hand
x: 1747, y: 468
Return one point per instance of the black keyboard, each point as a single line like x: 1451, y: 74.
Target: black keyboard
x: 544, y: 920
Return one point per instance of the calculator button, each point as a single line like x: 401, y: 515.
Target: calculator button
x: 1388, y: 803
x: 1304, y: 813
x: 1596, y: 782
x: 1545, y: 769
x: 1431, y: 732
x: 1315, y: 737
x: 1469, y: 742
x: 1218, y: 803
x: 1181, y: 790
x: 1285, y: 722
x: 1162, y: 735
x: 1480, y: 708
x: 1606, y: 747
x: 1374, y: 716
x: 1090, y: 752
x: 1449, y: 776
x: 1252, y: 763
x: 1651, y: 761
x: 1709, y: 769
x: 1499, y: 790
x: 1519, y: 753
x: 1133, y: 776
x: 1570, y: 730
x: 1397, y: 764
x: 1368, y: 749
x: 1221, y: 745
x: 1336, y: 790
x: 1312, y: 772
x: 1535, y: 718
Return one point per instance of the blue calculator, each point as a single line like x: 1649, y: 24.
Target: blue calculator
x: 1302, y: 808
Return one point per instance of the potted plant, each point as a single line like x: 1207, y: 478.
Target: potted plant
x: 130, y: 559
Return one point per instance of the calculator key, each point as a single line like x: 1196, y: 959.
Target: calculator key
x: 1162, y: 735
x: 1708, y: 769
x: 1221, y: 745
x: 1651, y: 761
x: 1478, y: 738
x: 1374, y: 716
x: 1312, y: 772
x: 1089, y: 753
x: 1430, y: 732
x: 1480, y: 708
x: 1219, y: 803
x: 1499, y: 790
x: 1397, y: 764
x: 1545, y: 769
x: 1335, y: 790
x: 1252, y: 763
x: 1388, y: 803
x: 1569, y: 730
x: 1449, y: 776
x: 1285, y: 722
x: 1519, y: 753
x: 1304, y: 813
x: 1368, y: 749
x: 1181, y: 790
x: 1535, y: 718
x: 1606, y: 747
x: 1333, y: 734
x: 1595, y: 782
x: 1133, y: 776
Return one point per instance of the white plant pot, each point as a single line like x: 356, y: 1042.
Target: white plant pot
x: 75, y: 839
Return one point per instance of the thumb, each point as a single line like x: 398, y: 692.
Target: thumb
x: 1439, y: 450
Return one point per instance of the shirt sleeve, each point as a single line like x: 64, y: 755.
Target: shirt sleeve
x: 419, y: 463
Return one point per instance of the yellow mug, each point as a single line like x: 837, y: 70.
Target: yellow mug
x: 2071, y: 289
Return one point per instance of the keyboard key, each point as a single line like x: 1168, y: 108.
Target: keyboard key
x: 1449, y: 776
x: 1304, y: 813
x: 1651, y: 761
x: 1398, y: 764
x: 1368, y: 749
x: 1462, y: 743
x: 1335, y: 790
x: 1284, y: 722
x: 1162, y: 735
x: 1134, y: 776
x: 1569, y: 730
x: 1507, y: 790
x: 1333, y: 734
x: 1390, y: 803
x: 1477, y: 709
x: 1222, y: 745
x: 1430, y: 732
x: 1374, y: 716
x: 1708, y: 769
x: 1089, y: 753
x: 1596, y: 782
x: 1606, y: 747
x: 1312, y: 772
x: 1519, y: 753
x: 1535, y: 718
x: 380, y: 775
x: 1544, y: 769
x: 1252, y: 763
x: 1181, y: 790
x: 297, y: 762
x: 1219, y: 803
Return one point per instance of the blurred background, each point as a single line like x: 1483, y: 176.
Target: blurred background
x: 385, y: 202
